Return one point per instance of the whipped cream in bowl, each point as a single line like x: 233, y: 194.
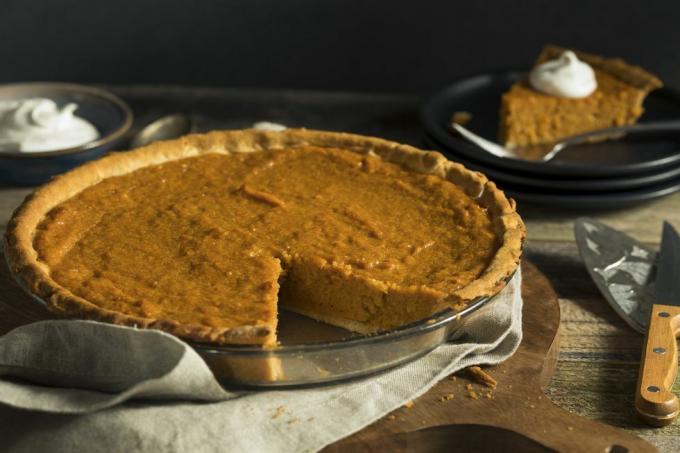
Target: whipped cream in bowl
x: 39, y: 124
x: 566, y: 77
x: 49, y: 128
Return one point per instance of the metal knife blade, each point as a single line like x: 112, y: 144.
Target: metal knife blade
x: 667, y: 287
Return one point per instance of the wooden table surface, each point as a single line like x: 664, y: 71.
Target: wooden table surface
x: 599, y: 355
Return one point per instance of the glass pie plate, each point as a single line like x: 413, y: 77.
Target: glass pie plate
x: 314, y: 353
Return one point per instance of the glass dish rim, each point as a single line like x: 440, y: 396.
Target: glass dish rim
x: 422, y: 326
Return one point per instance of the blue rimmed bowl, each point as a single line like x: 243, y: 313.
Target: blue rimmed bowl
x: 108, y: 113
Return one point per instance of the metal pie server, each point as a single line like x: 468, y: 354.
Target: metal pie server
x: 643, y: 288
x: 654, y: 399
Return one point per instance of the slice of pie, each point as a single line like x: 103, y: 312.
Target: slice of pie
x: 529, y: 117
x: 205, y: 236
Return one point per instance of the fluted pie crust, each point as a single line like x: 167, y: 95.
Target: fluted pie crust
x: 347, y: 290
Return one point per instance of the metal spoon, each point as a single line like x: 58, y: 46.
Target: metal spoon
x: 165, y: 128
x: 549, y: 151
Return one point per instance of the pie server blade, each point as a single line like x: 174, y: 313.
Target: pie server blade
x: 622, y: 268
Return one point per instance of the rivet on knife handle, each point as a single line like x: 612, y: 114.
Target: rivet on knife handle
x: 654, y: 398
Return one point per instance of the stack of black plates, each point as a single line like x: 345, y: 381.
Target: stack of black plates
x: 600, y: 175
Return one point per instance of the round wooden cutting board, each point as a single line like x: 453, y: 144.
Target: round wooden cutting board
x: 516, y: 416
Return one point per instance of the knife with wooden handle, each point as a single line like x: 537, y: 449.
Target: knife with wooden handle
x: 654, y: 399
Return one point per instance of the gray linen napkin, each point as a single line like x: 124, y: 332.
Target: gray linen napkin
x: 80, y: 385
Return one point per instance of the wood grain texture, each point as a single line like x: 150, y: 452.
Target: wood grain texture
x: 597, y: 370
x: 10, y: 199
x: 517, y: 405
x: 643, y: 222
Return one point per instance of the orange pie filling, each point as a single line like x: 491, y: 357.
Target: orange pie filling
x: 529, y: 117
x: 216, y: 241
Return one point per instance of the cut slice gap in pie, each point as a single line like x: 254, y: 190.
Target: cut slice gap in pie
x: 204, y: 236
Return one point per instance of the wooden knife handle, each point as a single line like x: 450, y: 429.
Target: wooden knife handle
x: 655, y: 400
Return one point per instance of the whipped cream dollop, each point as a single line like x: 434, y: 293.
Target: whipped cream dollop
x: 567, y: 77
x: 38, y: 124
x: 269, y: 126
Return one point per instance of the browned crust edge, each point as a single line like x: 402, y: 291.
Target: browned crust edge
x: 23, y: 260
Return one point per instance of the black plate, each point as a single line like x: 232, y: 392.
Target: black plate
x: 480, y: 95
x: 568, y: 198
x: 571, y: 185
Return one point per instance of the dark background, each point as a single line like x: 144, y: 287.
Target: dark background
x: 375, y: 46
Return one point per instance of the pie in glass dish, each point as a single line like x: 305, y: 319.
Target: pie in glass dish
x: 205, y: 236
